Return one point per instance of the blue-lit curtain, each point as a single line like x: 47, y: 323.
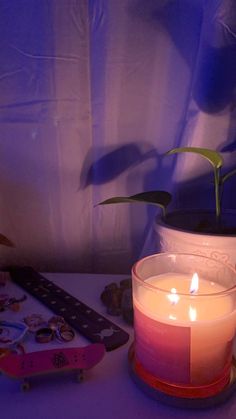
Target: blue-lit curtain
x: 93, y: 92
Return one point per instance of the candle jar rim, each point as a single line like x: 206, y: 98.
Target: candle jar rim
x: 184, y: 294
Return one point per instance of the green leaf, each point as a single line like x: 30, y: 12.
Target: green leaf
x: 214, y: 158
x: 5, y: 241
x: 159, y: 198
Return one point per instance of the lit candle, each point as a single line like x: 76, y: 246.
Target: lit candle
x: 183, y: 335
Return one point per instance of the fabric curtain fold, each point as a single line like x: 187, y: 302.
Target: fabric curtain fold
x: 93, y: 93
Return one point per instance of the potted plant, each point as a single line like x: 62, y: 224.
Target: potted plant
x: 209, y: 233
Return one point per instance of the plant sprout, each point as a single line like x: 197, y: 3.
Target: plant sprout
x: 163, y: 198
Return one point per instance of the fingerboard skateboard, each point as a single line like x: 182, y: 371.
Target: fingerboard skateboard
x: 25, y: 366
x: 80, y: 316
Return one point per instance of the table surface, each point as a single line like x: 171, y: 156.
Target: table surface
x: 107, y: 390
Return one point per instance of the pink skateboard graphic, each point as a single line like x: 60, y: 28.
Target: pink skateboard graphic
x: 24, y: 366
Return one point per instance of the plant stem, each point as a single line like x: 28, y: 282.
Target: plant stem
x: 217, y: 194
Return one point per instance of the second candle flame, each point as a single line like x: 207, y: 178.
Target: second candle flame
x: 173, y: 297
x: 194, y: 283
x: 193, y: 288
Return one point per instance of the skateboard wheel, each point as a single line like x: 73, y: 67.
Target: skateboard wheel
x: 79, y: 376
x: 25, y: 386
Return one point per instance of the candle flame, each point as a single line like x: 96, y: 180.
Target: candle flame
x: 173, y: 297
x: 192, y: 313
x: 194, y: 283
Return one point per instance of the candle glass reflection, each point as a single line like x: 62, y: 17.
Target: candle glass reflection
x: 184, y: 322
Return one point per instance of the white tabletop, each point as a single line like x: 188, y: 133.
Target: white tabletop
x: 107, y: 390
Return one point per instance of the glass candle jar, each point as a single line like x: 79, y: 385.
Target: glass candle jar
x: 184, y: 322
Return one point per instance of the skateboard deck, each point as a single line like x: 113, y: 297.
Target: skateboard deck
x: 24, y: 366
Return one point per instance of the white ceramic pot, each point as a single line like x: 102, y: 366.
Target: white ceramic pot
x: 176, y: 235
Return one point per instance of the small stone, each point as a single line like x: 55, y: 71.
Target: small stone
x: 127, y: 306
x: 105, y: 297
x: 114, y: 307
x: 126, y: 283
x: 118, y: 299
x: 108, y: 293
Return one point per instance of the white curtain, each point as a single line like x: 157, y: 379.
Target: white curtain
x: 92, y: 94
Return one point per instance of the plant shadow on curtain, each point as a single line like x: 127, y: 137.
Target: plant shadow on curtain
x: 94, y: 92
x: 201, y: 38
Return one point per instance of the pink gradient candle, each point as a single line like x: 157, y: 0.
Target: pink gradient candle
x: 184, y: 325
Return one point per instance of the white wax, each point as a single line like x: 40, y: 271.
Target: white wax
x: 161, y: 305
x: 211, y: 321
